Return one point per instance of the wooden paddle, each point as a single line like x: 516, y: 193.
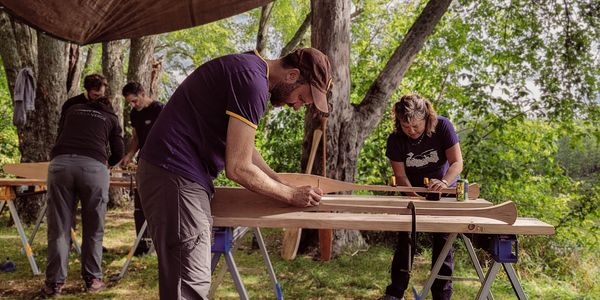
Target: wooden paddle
x: 248, y: 204
x: 329, y: 185
x: 325, y: 235
x: 291, y: 236
x: 505, y: 212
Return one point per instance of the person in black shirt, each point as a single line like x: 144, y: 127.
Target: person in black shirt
x: 78, y: 170
x: 143, y: 115
x: 95, y: 87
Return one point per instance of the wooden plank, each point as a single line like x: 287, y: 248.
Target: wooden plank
x: 385, y: 222
x: 37, y: 170
x: 402, y: 201
x: 114, y: 182
x: 329, y: 185
x: 248, y: 203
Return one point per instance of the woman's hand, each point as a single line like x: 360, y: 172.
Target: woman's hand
x: 437, y: 185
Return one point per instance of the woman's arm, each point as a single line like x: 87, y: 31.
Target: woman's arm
x: 400, y: 173
x: 454, y: 156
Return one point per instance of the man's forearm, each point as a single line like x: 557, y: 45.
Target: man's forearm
x: 259, y: 162
x: 255, y: 179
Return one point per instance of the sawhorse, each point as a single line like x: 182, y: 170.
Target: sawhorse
x: 225, y: 239
x: 486, y: 280
x: 7, y: 197
x: 224, y: 243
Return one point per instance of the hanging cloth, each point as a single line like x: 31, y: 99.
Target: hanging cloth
x: 24, y: 96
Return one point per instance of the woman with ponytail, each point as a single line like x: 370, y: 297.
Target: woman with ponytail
x: 423, y: 145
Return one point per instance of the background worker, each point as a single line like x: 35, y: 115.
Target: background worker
x: 95, y: 87
x: 423, y: 145
x: 208, y: 125
x: 142, y: 116
x: 78, y: 170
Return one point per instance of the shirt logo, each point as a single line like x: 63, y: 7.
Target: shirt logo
x: 423, y: 159
x: 147, y: 122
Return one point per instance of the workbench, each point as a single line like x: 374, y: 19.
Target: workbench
x: 238, y: 207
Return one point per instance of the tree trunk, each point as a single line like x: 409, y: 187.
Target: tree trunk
x: 141, y: 66
x: 112, y: 68
x: 18, y: 48
x: 75, y: 68
x: 157, y: 69
x: 348, y: 124
x: 89, y: 58
x: 141, y: 58
x: 261, y: 36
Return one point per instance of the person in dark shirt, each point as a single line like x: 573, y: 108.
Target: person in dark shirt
x: 142, y: 117
x: 78, y: 170
x: 423, y: 145
x: 208, y: 125
x: 95, y: 87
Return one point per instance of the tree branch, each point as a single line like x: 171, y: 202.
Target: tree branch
x: 298, y: 36
x: 391, y: 75
x: 261, y: 40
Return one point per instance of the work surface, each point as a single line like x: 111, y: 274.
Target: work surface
x: 240, y: 207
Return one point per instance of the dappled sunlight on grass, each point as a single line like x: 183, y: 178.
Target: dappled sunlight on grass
x: 363, y: 275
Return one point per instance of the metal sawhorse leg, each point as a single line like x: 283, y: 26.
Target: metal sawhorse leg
x: 224, y: 244
x: 486, y: 281
x: 132, y: 251
x: 225, y: 240
x: 24, y: 241
x: 38, y: 223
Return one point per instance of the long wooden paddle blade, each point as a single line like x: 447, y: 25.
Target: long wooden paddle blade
x: 292, y: 235
x: 505, y: 212
x: 28, y: 170
x: 328, y: 185
x: 291, y: 240
x: 473, y: 191
x: 248, y: 204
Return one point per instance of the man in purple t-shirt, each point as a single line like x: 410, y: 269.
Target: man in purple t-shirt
x: 208, y: 125
x: 422, y: 145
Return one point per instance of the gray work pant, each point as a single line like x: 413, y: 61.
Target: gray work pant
x: 179, y: 220
x: 72, y: 177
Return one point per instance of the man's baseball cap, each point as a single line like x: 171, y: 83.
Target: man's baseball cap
x: 314, y: 65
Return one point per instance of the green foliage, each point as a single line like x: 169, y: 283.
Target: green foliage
x: 9, y: 141
x: 279, y: 139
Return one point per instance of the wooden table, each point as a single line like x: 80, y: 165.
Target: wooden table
x: 9, y: 192
x: 232, y: 207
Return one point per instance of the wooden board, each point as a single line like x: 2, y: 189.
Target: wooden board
x: 329, y: 185
x: 28, y: 170
x: 34, y: 181
x: 39, y: 170
x: 403, y: 201
x: 383, y: 222
x: 250, y: 204
x: 224, y: 214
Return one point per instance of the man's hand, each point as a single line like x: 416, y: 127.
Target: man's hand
x: 306, y: 196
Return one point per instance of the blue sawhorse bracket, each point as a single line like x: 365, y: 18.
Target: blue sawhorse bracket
x: 504, y: 250
x: 225, y: 239
x: 224, y: 244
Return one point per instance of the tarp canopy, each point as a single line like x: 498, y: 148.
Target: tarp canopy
x: 92, y: 21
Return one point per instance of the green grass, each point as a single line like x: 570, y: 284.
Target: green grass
x: 362, y: 275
